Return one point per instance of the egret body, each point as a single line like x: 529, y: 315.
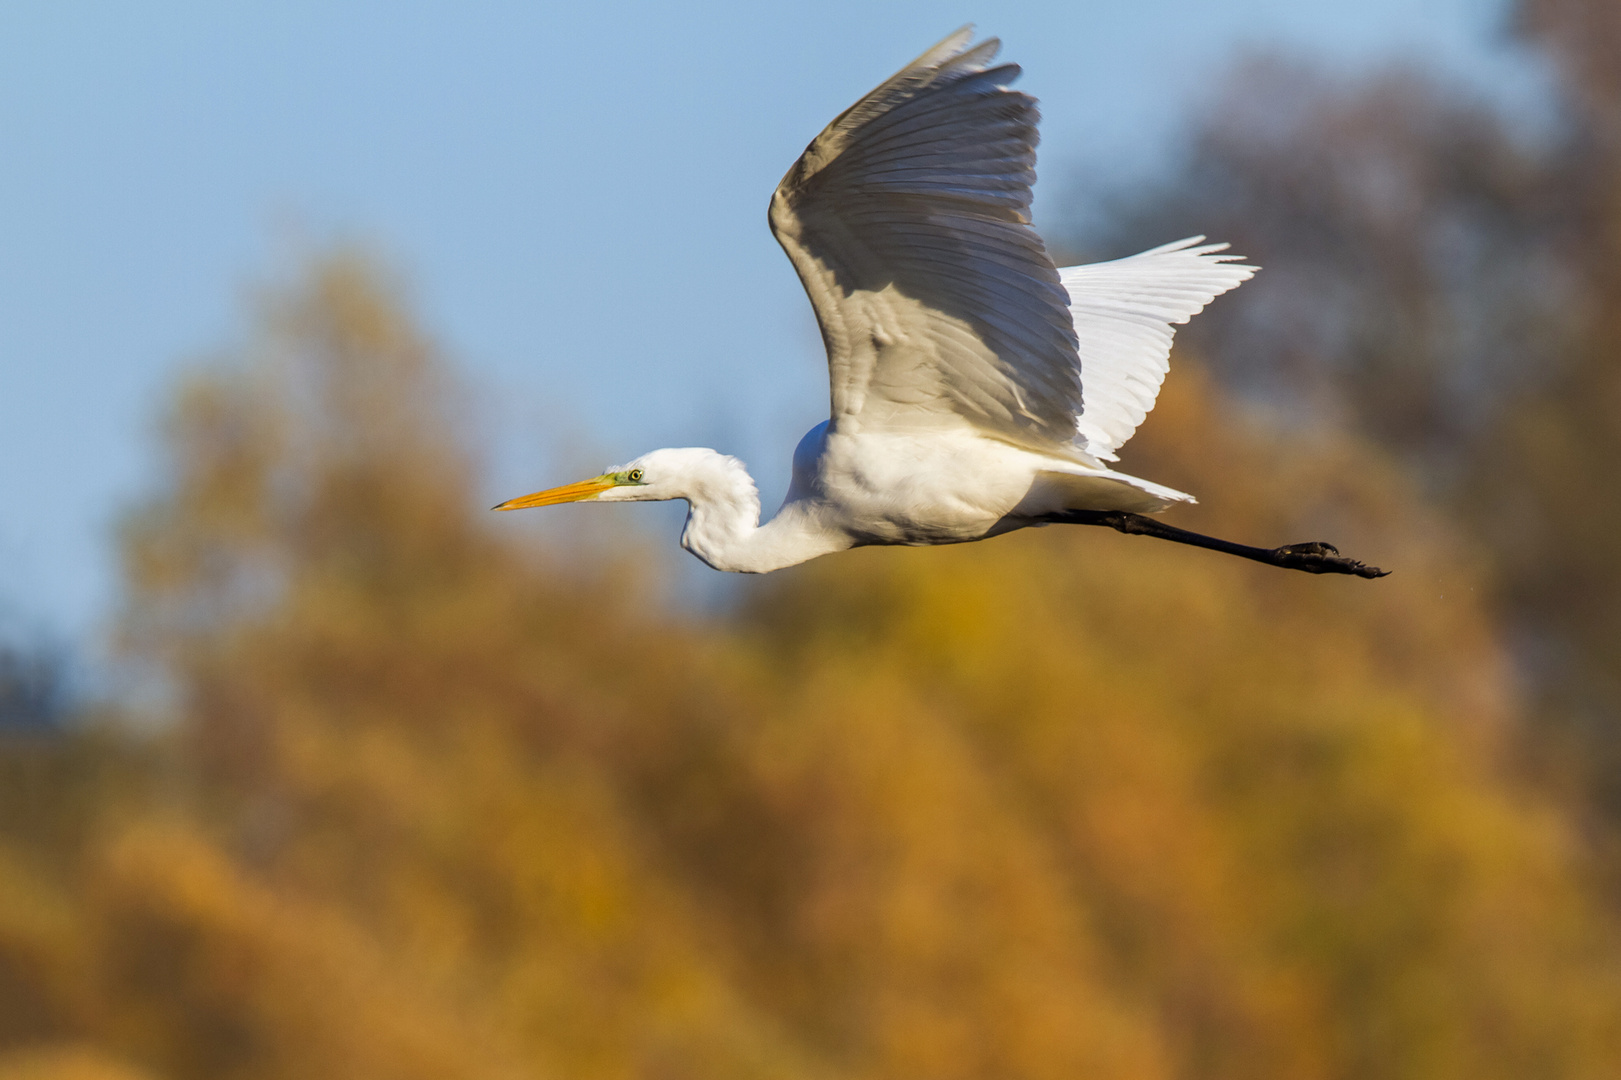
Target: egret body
x: 976, y: 388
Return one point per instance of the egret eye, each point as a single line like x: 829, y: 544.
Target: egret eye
x: 635, y: 476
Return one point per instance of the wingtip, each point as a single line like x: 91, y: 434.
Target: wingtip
x: 958, y: 47
x: 1195, y: 247
x: 946, y: 48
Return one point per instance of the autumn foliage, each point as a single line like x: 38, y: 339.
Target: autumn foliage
x: 416, y: 796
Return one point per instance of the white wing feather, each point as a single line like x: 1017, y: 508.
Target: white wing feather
x: 1125, y: 315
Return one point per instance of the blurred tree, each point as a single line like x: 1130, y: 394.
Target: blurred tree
x: 32, y: 686
x: 1265, y: 810
x: 413, y: 750
x: 430, y: 804
x: 1411, y: 280
x: 1583, y: 36
x: 1451, y: 290
x: 1547, y: 493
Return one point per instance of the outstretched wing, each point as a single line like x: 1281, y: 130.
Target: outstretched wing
x: 1125, y: 313
x: 908, y: 222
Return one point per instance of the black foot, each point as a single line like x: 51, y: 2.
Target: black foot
x: 1320, y: 558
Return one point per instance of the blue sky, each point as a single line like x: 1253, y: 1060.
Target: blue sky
x: 576, y: 194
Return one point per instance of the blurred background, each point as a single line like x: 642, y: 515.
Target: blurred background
x: 310, y: 766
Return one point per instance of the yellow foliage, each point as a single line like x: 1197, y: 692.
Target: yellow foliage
x: 64, y: 1063
x: 1063, y: 804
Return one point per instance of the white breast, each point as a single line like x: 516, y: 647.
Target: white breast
x: 918, y: 488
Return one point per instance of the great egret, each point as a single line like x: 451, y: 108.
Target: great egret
x: 976, y: 387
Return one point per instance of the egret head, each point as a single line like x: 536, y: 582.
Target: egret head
x: 655, y: 476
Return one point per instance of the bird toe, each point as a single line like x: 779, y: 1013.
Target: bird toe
x: 1317, y: 557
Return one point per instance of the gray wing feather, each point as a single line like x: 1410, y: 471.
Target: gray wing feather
x: 908, y: 222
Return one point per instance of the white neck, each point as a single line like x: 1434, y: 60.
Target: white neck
x: 723, y: 522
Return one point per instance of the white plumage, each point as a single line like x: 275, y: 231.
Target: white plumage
x: 975, y: 388
x: 1125, y: 312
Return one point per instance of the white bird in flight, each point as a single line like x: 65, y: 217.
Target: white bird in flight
x: 976, y: 387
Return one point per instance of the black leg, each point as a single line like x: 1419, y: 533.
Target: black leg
x: 1313, y: 558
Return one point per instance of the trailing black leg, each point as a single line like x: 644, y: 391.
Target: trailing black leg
x: 1313, y: 558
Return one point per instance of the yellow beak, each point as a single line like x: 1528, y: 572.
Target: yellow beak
x: 585, y: 489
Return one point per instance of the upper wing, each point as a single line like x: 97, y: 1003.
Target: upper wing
x: 1124, y: 314
x: 908, y: 222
